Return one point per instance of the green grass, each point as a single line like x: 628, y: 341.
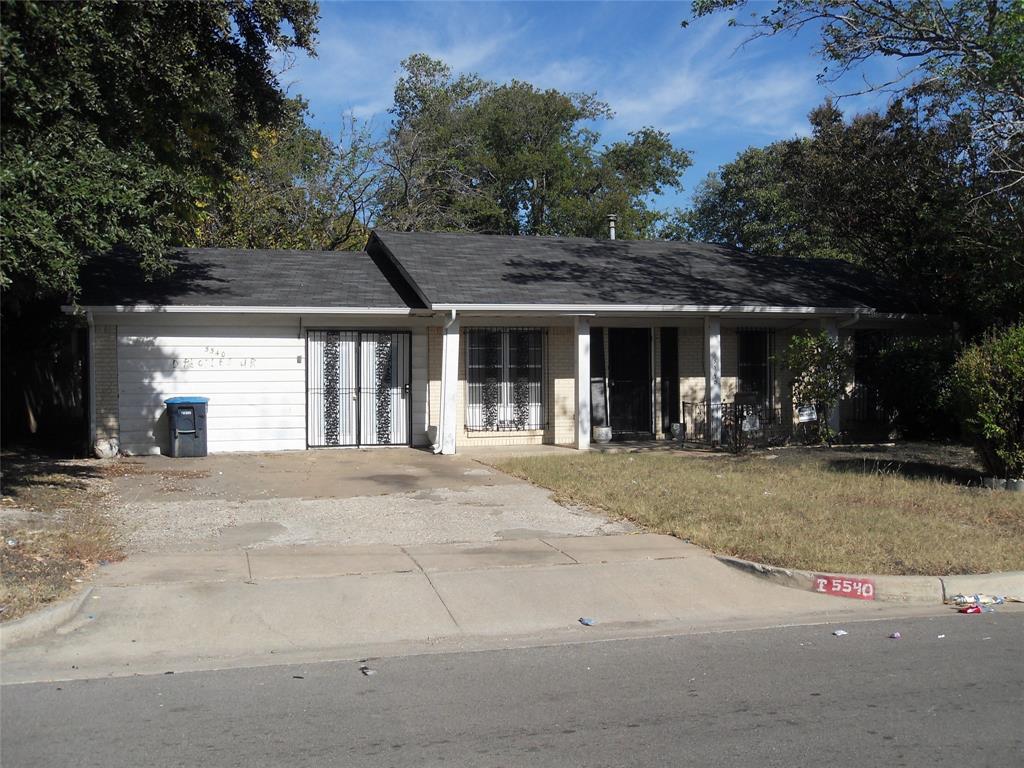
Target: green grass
x: 795, y: 510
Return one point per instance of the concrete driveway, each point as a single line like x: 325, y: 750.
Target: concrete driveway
x: 396, y: 496
x: 241, y: 560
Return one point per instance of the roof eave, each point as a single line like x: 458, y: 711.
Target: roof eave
x: 680, y: 309
x: 224, y: 309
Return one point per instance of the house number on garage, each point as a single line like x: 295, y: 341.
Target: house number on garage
x: 215, y: 361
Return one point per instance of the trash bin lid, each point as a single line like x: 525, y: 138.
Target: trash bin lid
x: 188, y: 400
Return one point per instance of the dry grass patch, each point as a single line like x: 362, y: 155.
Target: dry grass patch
x: 54, y: 527
x: 801, y: 510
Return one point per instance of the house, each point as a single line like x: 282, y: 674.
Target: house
x: 458, y: 339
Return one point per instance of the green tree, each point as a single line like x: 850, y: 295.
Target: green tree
x: 300, y: 190
x: 429, y: 181
x: 118, y: 117
x: 468, y: 154
x: 818, y: 365
x: 753, y: 203
x: 896, y: 193
x: 959, y: 57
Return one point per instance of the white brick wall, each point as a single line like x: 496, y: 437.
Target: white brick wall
x: 105, y: 396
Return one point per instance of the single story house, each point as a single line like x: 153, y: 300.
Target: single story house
x: 456, y: 340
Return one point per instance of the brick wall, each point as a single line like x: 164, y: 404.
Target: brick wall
x: 559, y: 393
x: 692, y: 374
x: 105, y: 396
x: 434, y: 336
x: 562, y: 365
x: 730, y: 364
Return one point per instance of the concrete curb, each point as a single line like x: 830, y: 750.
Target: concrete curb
x: 905, y: 589
x: 41, y: 622
x: 1009, y: 584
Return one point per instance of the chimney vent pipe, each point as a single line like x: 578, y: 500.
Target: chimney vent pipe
x: 612, y: 218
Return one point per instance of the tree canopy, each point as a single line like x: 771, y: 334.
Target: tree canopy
x: 118, y: 116
x: 461, y: 154
x: 894, y: 192
x: 468, y: 154
x: 297, y: 189
x: 955, y: 57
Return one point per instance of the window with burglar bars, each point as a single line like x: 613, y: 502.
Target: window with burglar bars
x: 504, y: 379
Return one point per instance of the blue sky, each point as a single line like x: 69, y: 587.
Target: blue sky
x: 714, y: 97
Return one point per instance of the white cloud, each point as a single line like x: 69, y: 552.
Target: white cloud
x: 359, y: 61
x: 706, y: 83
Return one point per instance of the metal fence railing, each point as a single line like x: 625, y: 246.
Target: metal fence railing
x: 742, y: 425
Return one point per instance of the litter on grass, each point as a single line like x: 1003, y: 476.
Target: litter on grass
x: 840, y: 632
x: 587, y: 622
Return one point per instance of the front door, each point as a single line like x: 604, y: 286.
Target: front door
x: 629, y: 381
x: 357, y: 388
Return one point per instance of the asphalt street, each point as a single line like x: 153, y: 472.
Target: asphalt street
x: 949, y: 693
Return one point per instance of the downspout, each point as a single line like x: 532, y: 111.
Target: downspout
x: 436, y: 447
x: 90, y: 349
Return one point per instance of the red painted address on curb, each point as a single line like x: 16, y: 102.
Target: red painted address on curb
x: 845, y: 586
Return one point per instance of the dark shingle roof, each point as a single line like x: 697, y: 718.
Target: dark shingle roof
x: 492, y: 269
x: 225, y: 277
x: 466, y: 269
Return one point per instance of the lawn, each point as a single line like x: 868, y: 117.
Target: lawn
x: 55, y: 526
x: 900, y: 512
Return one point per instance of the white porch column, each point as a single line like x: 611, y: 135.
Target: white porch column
x: 449, y: 383
x: 831, y: 327
x: 713, y: 383
x: 582, y: 369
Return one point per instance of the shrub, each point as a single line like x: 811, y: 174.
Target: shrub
x: 908, y: 376
x: 818, y: 365
x: 988, y: 387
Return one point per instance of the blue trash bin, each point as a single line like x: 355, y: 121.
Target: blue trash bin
x: 186, y: 420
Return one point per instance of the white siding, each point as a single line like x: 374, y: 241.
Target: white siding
x: 254, y: 376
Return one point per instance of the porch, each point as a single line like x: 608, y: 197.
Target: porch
x: 702, y: 381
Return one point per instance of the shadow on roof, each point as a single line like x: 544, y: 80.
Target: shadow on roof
x: 111, y: 277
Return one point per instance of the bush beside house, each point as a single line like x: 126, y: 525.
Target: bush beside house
x: 818, y: 364
x: 987, y: 384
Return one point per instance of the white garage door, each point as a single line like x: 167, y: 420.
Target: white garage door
x: 254, y: 377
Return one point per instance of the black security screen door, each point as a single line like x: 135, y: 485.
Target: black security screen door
x: 629, y: 381
x: 357, y: 388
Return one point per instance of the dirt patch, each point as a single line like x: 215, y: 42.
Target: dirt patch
x: 56, y: 523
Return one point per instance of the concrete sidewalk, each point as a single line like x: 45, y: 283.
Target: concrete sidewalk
x: 167, y: 612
